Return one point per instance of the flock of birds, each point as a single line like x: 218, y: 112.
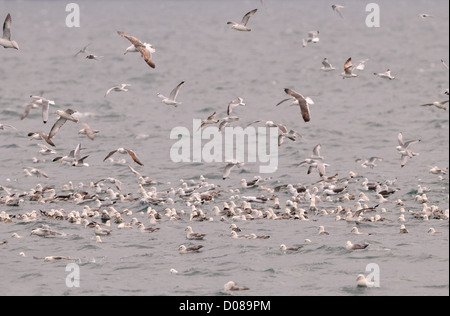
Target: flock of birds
x: 96, y: 205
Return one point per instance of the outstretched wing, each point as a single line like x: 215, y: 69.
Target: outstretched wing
x: 302, y: 102
x: 145, y: 53
x: 7, y: 28
x: 173, y: 95
x: 247, y: 16
x: 135, y: 158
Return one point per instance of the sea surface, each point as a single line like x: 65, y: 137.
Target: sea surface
x: 351, y: 119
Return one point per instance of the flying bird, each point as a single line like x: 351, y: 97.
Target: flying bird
x: 125, y: 151
x: 243, y: 25
x: 145, y: 53
x: 230, y: 165
x: 348, y: 70
x: 385, y: 75
x: 6, y: 41
x: 302, y: 102
x: 171, y: 100
x: 82, y: 51
x: 404, y: 150
x: 40, y: 135
x: 45, y: 105
x: 438, y: 104
x: 236, y: 102
x: 312, y: 38
x: 326, y: 65
x: 4, y: 126
x: 337, y: 8
x: 120, y: 88
x: 88, y: 131
x: 63, y: 117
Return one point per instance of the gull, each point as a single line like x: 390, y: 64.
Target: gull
x: 6, y: 41
x: 29, y: 106
x: 132, y: 48
x: 232, y: 286
x: 443, y: 63
x: 45, y: 150
x: 37, y: 172
x: 337, y: 8
x: 284, y: 248
x: 350, y: 246
x: 386, y: 75
x: 425, y: 15
x: 292, y: 135
x: 312, y: 38
x: 326, y: 65
x: 403, y: 229
x: 227, y: 120
x: 361, y: 281
x: 83, y: 50
x: 302, y: 102
x: 403, y: 149
x: 101, y: 231
x: 78, y: 161
x: 438, y: 104
x: 209, y: 121
x: 119, y: 88
x: 45, y: 105
x: 432, y: 231
x: 91, y: 56
x: 142, y: 179
x: 437, y: 170
x: 89, y: 132
x: 43, y: 232
x: 236, y: 102
x: 144, y: 229
x: 357, y: 232
x: 361, y: 65
x: 230, y: 165
x: 40, y: 135
x: 184, y: 249
x: 63, y: 117
x: 69, y: 158
x: 4, y: 126
x: 145, y: 53
x: 369, y: 162
x: 115, y: 181
x: 315, y: 164
x: 171, y: 100
x: 348, y: 70
x: 243, y: 25
x: 322, y: 231
x: 191, y: 235
x: 125, y: 151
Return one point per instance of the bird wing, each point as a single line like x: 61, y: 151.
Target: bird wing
x: 28, y: 107
x: 110, y: 154
x: 326, y: 64
x: 7, y: 28
x: 134, y: 171
x: 348, y: 66
x: 302, y: 102
x: 173, y: 95
x: 42, y: 173
x: 282, y: 101
x: 227, y: 170
x: 316, y: 150
x: 247, y: 16
x: 133, y: 155
x: 400, y: 139
x: 45, y: 107
x: 56, y: 127
x: 89, y: 131
x: 145, y: 53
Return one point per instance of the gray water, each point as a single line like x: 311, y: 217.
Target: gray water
x: 351, y: 118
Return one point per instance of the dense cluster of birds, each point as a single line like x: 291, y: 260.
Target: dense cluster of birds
x: 101, y: 204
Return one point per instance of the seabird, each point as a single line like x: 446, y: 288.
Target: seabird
x: 322, y: 231
x: 82, y: 51
x: 386, y: 75
x: 326, y: 65
x: 37, y: 172
x: 184, y: 249
x: 88, y: 131
x: 432, y: 231
x: 348, y: 70
x: 91, y: 56
x: 369, y: 162
x: 119, y: 88
x: 232, y: 286
x: 171, y: 100
x: 209, y: 121
x: 312, y: 38
x: 236, y: 102
x: 143, y: 229
x: 4, y: 126
x: 302, y: 102
x: 43, y: 232
x: 284, y: 248
x: 145, y: 53
x: 425, y: 15
x: 361, y: 65
x: 446, y: 66
x: 227, y: 120
x: 63, y: 117
x: 45, y: 150
x: 45, y: 105
x: 337, y: 8
x: 230, y: 165
x: 357, y: 232
x: 101, y: 231
x: 6, y: 41
x: 361, y: 281
x: 438, y: 104
x: 403, y: 229
x: 350, y: 246
x: 403, y: 149
x: 132, y: 49
x: 193, y: 236
x: 125, y: 151
x: 243, y: 25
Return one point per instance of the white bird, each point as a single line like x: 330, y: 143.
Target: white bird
x: 232, y: 286
x: 361, y: 65
x: 6, y: 41
x: 88, y: 131
x: 326, y: 65
x: 425, y: 15
x: 145, y: 53
x: 209, y: 121
x: 304, y: 108
x: 4, y: 126
x: 337, y: 8
x: 132, y: 48
x: 194, y: 236
x: 82, y: 51
x: 350, y: 246
x: 230, y: 165
x: 227, y: 120
x: 438, y: 104
x: 284, y: 248
x: 369, y: 162
x: 120, y: 88
x: 312, y: 38
x: 403, y: 149
x: 101, y: 231
x: 348, y: 70
x: 44, y: 232
x: 357, y: 232
x: 385, y: 75
x: 94, y: 57
x: 45, y: 105
x: 63, y: 117
x: 171, y: 100
x: 243, y: 25
x: 361, y: 281
x: 236, y: 102
x: 125, y: 151
x: 45, y: 150
x: 195, y: 248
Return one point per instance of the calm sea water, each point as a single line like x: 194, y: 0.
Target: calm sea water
x: 351, y: 118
